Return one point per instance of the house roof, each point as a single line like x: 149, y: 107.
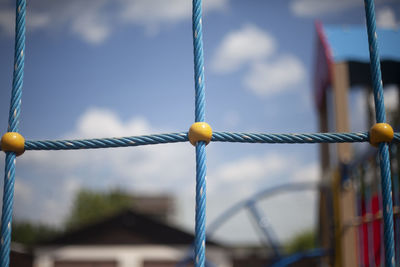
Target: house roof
x: 126, y: 228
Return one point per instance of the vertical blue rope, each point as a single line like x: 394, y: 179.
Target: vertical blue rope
x: 200, y: 227
x: 13, y: 121
x: 8, y: 197
x: 18, y: 75
x: 198, y: 61
x: 383, y: 147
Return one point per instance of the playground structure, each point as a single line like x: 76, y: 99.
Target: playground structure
x: 352, y: 192
x: 200, y: 134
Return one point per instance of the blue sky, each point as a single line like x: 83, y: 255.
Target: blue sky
x: 100, y: 68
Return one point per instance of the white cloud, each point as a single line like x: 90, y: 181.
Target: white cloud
x: 91, y: 27
x: 310, y: 8
x: 308, y: 173
x: 58, y: 205
x: 34, y: 20
x: 151, y: 11
x: 267, y: 72
x: 37, y: 21
x: 241, y: 47
x: 274, y: 76
x: 386, y: 18
x: 22, y: 190
x: 94, y: 20
x: 154, y: 13
x: 250, y: 169
x: 97, y: 122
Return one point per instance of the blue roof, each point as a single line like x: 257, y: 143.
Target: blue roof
x: 351, y: 43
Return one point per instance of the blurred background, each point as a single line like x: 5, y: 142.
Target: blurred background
x: 102, y: 68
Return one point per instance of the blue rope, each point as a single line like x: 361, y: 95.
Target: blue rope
x: 106, y: 142
x: 261, y: 138
x: 6, y: 219
x: 13, y: 121
x: 200, y: 227
x: 198, y: 61
x: 383, y: 147
x: 310, y: 138
x: 18, y: 74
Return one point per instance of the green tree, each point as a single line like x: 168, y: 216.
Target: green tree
x: 301, y: 242
x: 91, y: 206
x: 29, y: 233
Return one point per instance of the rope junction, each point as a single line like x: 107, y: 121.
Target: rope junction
x: 200, y: 232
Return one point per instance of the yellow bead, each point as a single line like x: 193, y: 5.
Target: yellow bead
x: 13, y: 142
x: 380, y: 132
x: 200, y: 131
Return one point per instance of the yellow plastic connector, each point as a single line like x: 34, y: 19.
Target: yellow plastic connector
x: 13, y: 142
x: 380, y: 132
x: 200, y: 131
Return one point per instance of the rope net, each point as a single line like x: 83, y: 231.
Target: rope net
x: 200, y: 229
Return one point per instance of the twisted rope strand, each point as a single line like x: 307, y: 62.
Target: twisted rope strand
x: 8, y: 196
x: 262, y: 138
x: 106, y: 142
x: 310, y: 138
x: 198, y: 61
x: 13, y: 123
x: 200, y: 228
x: 18, y: 73
x: 377, y: 86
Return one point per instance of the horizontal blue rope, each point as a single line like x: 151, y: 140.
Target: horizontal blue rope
x: 308, y: 138
x: 106, y: 142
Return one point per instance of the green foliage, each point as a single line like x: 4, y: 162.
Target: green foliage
x: 91, y: 206
x: 28, y: 233
x: 301, y: 242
